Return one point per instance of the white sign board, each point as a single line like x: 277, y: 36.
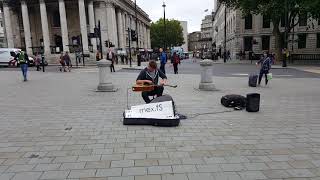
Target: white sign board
x: 161, y: 110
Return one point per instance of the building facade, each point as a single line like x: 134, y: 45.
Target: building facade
x: 253, y: 33
x: 194, y: 41
x: 58, y: 25
x: 184, y: 25
x: 206, y: 33
x: 2, y: 39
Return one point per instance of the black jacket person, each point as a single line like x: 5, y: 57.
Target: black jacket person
x: 150, y: 76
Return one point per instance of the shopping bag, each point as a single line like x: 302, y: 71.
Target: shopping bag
x: 269, y: 76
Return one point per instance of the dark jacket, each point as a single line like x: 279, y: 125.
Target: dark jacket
x: 144, y: 75
x: 265, y: 63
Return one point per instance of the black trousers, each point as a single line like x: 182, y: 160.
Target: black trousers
x: 175, y: 68
x: 157, y: 91
x: 163, y: 68
x: 112, y: 68
x: 262, y: 72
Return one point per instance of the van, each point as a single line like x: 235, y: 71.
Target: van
x: 7, y: 59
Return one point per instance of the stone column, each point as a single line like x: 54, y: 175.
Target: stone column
x: 64, y: 25
x: 83, y: 26
x: 145, y: 36
x: 148, y: 39
x: 104, y: 84
x: 26, y: 26
x: 112, y: 24
x: 124, y: 30
x: 92, y: 24
x: 101, y: 15
x: 120, y: 29
x: 206, y: 83
x: 45, y: 27
x: 7, y: 21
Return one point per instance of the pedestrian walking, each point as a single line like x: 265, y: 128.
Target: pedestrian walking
x: 228, y: 55
x: 163, y: 61
x: 67, y: 61
x: 176, y: 61
x: 23, y: 61
x: 37, y: 61
x: 98, y: 56
x: 111, y: 57
x: 265, y: 66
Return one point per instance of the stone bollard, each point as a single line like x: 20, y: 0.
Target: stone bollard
x: 104, y: 84
x: 206, y: 83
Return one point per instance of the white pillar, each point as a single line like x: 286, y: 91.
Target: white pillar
x: 7, y: 21
x: 101, y: 15
x: 26, y: 26
x: 148, y: 38
x: 145, y: 36
x: 120, y: 29
x: 45, y: 27
x: 64, y: 25
x: 124, y: 30
x: 92, y: 24
x: 112, y: 24
x: 83, y: 26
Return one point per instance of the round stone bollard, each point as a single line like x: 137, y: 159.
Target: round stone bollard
x: 206, y: 83
x: 104, y: 84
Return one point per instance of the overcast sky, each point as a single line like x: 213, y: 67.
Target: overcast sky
x: 183, y: 10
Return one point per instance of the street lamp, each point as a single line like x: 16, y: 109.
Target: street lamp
x: 225, y: 34
x: 137, y: 34
x: 165, y: 26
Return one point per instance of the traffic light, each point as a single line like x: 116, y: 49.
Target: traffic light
x: 106, y: 43
x: 134, y: 35
x: 97, y: 32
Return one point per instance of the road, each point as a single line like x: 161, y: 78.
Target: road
x: 191, y: 67
x: 235, y: 70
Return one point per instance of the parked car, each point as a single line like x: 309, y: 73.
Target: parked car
x: 7, y: 57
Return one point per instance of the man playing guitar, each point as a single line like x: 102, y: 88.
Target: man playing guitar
x: 150, y: 76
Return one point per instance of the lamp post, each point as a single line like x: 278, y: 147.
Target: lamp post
x: 165, y: 27
x: 137, y: 34
x: 225, y: 34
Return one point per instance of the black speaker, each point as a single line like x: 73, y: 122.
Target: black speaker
x: 253, y: 102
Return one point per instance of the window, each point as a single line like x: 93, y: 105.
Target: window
x: 302, y: 41
x: 248, y: 22
x: 56, y: 19
x: 318, y: 40
x: 248, y: 43
x: 265, y: 42
x: 266, y: 22
x: 303, y: 20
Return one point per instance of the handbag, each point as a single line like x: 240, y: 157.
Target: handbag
x: 269, y: 76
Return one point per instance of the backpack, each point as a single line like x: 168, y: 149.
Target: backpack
x: 21, y: 57
x: 234, y: 100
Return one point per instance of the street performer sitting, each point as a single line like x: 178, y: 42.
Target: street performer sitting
x: 150, y: 76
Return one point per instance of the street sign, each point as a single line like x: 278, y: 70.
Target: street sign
x: 161, y: 110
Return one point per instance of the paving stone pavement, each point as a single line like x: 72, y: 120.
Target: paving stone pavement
x: 56, y: 126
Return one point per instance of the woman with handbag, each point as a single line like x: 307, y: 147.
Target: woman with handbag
x: 176, y: 61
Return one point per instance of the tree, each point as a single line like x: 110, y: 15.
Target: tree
x: 174, y: 33
x: 276, y: 10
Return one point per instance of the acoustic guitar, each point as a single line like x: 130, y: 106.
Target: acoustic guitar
x: 147, y: 88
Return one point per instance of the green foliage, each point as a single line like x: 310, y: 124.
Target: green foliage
x: 174, y: 35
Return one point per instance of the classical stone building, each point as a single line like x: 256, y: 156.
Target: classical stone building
x: 184, y: 25
x: 2, y: 39
x: 206, y: 33
x: 56, y: 25
x: 253, y: 33
x: 194, y: 41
